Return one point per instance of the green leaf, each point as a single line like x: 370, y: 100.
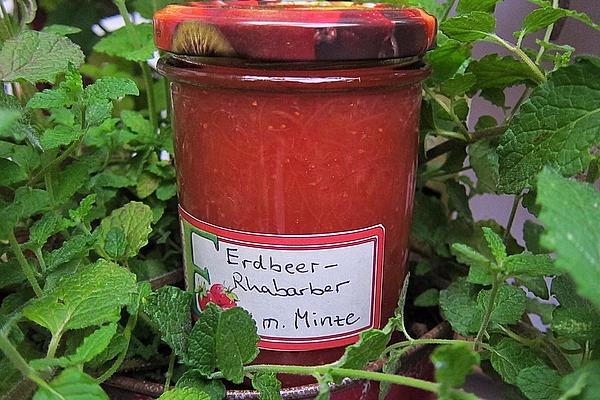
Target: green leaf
x: 115, y: 243
x: 8, y: 118
x: 539, y: 383
x: 447, y: 58
x: 369, y: 347
x: 169, y: 308
x: 146, y: 185
x: 136, y: 122
x: 133, y: 43
x: 459, y: 307
x: 92, y: 345
x: 236, y: 341
x: 147, y: 8
x: 530, y: 264
x: 50, y: 224
x: 481, y: 268
x: 470, y: 27
x: 201, y: 351
x: 75, y: 247
x: 496, y: 244
x: 110, y: 88
x: 571, y: 214
x: 268, y: 385
x: 91, y: 297
x: 575, y: 317
x: 555, y: 127
x: 72, y: 384
x: 510, y: 357
x: 135, y: 220
x: 193, y: 378
x: 493, y: 71
x: 72, y: 178
x: 187, y: 393
x: 583, y: 383
x: 66, y: 94
x: 26, y: 203
x: 84, y: 208
x: 63, y: 30
x: 60, y: 135
x: 467, y: 6
x: 458, y: 85
x: 532, y: 234
x: 166, y: 192
x: 509, y: 306
x: 37, y: 56
x: 484, y: 160
x: 546, y: 16
x: 11, y: 172
x: 453, y: 363
x: 429, y: 298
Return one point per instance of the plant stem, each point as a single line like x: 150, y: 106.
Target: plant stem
x: 147, y: 74
x: 54, y: 342
x: 422, y: 342
x: 131, y: 323
x: 547, y: 37
x: 27, y: 269
x: 19, y: 362
x: 7, y: 21
x: 169, y: 374
x: 511, y: 218
x: 489, y: 308
x: 449, y: 111
x: 40, y: 258
x: 521, y: 54
x: 70, y: 150
x: 523, y: 340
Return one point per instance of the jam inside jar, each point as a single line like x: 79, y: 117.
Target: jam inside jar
x: 296, y: 169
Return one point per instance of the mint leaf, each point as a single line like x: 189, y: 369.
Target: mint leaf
x: 169, y: 308
x: 571, y: 214
x: 575, y: 318
x: 369, y: 347
x: 146, y: 185
x: 447, y: 58
x: 187, y: 393
x: 26, y: 203
x: 429, y: 298
x: 495, y: 244
x: 72, y: 384
x: 510, y: 357
x: 493, y: 71
x: 532, y: 233
x: 109, y: 88
x: 453, y: 363
x: 546, y: 16
x: 84, y: 208
x: 201, y: 352
x: 484, y: 160
x: 47, y: 226
x: 135, y: 220
x: 530, y: 264
x: 467, y: 6
x: 481, y: 271
x: 92, y: 345
x: 509, y: 305
x: 470, y: 27
x: 37, y: 56
x: 458, y: 85
x: 59, y: 136
x: 194, y: 379
x: 268, y: 385
x: 133, y: 43
x: 555, y: 127
x: 147, y: 8
x: 63, y: 30
x: 91, y: 297
x: 75, y: 247
x: 459, y: 307
x: 583, y: 383
x: 236, y: 341
x: 539, y: 383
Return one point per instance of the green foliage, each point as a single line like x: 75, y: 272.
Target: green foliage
x: 453, y: 364
x: 72, y: 384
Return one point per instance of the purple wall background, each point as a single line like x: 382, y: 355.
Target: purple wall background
x: 510, y: 14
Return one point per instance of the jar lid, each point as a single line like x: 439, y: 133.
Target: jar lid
x: 267, y: 30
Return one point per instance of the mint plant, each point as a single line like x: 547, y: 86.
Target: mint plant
x: 90, y: 241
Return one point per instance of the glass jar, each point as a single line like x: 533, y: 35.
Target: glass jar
x: 296, y: 167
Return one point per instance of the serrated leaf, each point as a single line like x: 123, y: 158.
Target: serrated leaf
x: 60, y: 135
x: 72, y: 384
x: 187, y: 393
x: 146, y: 185
x: 447, y: 58
x: 50, y: 224
x: 236, y: 341
x: 510, y: 357
x: 11, y: 171
x: 469, y: 27
x: 63, y: 30
x: 91, y: 297
x: 429, y: 298
x: 484, y: 160
x: 532, y: 234
x: 133, y: 43
x: 480, y: 267
x: 110, y: 88
x: 115, y: 243
x: 583, y: 383
x: 135, y: 220
x: 37, y: 57
x: 92, y: 345
x: 493, y: 71
x: 27, y: 202
x: 267, y: 385
x: 83, y: 209
x: 75, y: 247
x: 495, y: 244
x: 575, y: 317
x: 530, y: 264
x: 136, y: 122
x: 192, y: 378
x: 545, y: 16
x: 453, y: 363
x: 72, y: 177
x: 571, y: 214
x: 369, y: 347
x: 509, y: 305
x: 555, y: 127
x: 166, y: 192
x: 459, y: 306
x: 169, y: 308
x: 467, y: 6
x: 539, y: 383
x: 201, y: 351
x: 458, y: 85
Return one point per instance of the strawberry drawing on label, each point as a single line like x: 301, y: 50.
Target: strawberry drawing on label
x: 218, y: 295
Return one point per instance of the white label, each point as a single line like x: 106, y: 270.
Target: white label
x: 305, y: 292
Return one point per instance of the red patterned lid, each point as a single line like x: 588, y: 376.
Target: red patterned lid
x: 294, y: 31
